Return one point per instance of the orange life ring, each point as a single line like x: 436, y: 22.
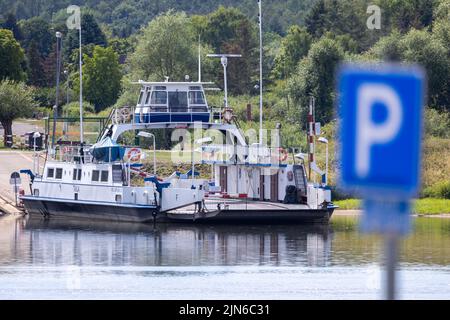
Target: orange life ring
x: 134, y: 154
x: 283, y: 154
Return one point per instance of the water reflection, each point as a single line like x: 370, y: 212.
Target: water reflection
x: 83, y: 260
x: 57, y: 242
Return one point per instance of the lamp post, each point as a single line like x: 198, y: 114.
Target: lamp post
x: 150, y: 135
x: 224, y: 61
x: 325, y: 141
x: 36, y: 135
x: 58, y: 71
x: 65, y: 127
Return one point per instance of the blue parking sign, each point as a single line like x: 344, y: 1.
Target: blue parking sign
x: 380, y: 108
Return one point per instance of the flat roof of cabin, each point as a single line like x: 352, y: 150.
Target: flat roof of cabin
x: 172, y: 83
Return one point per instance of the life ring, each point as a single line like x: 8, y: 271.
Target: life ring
x: 228, y: 115
x: 134, y: 154
x: 283, y: 154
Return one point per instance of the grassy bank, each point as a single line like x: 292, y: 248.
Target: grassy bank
x: 421, y: 206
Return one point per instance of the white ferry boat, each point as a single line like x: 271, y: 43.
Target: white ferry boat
x: 95, y: 183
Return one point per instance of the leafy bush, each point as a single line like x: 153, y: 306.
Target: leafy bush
x: 437, y: 124
x: 438, y: 190
x: 72, y: 109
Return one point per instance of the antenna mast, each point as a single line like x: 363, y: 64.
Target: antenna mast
x: 260, y: 75
x: 81, y: 90
x: 199, y: 59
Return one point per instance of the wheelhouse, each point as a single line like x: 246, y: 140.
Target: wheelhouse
x: 172, y: 102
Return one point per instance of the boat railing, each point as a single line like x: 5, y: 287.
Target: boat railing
x: 129, y: 115
x: 71, y: 154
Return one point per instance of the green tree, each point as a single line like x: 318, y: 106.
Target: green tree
x: 166, y: 48
x: 315, y: 77
x: 294, y: 47
x: 420, y: 47
x: 12, y: 57
x: 16, y: 100
x: 11, y: 24
x: 388, y: 48
x: 101, y: 78
x: 36, y: 75
x: 91, y: 33
x: 37, y: 30
x: 228, y: 30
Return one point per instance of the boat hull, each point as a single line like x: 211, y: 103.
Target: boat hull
x: 84, y: 210
x: 115, y: 212
x: 309, y: 216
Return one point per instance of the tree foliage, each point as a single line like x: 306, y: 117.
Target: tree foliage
x: 16, y: 100
x: 315, y: 77
x: 166, y: 48
x: 102, y: 78
x: 12, y: 57
x: 294, y: 47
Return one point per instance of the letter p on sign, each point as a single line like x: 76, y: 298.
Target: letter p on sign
x: 380, y: 108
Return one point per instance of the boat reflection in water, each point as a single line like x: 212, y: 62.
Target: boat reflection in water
x: 82, y: 243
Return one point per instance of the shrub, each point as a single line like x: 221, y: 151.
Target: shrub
x: 438, y: 190
x: 72, y: 110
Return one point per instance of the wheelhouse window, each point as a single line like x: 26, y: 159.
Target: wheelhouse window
x: 59, y: 172
x: 141, y: 96
x: 196, y: 97
x: 159, y: 97
x: 178, y: 101
x: 95, y: 175
x: 104, y: 177
x: 50, y: 172
x: 148, y: 98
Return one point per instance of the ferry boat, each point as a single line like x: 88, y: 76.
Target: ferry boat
x: 95, y: 183
x: 248, y: 183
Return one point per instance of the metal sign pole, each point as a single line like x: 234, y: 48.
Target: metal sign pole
x: 15, y: 190
x: 391, y: 250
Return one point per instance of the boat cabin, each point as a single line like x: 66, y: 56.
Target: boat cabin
x: 172, y: 102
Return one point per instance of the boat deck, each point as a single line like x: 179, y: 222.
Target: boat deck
x: 246, y: 210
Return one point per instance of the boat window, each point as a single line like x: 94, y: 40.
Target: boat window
x: 95, y: 175
x: 117, y: 173
x: 159, y: 97
x: 178, y: 101
x: 148, y: 98
x: 76, y: 174
x: 163, y: 88
x: 118, y: 198
x: 59, y: 172
x: 104, y: 177
x: 196, y: 97
x: 140, y: 97
x: 196, y: 88
x: 50, y: 172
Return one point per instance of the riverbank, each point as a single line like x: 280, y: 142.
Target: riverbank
x: 427, y: 206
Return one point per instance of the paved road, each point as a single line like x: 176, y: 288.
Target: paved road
x: 13, y: 161
x: 20, y: 128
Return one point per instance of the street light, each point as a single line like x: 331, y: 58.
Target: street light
x: 36, y: 135
x: 150, y: 135
x: 58, y: 72
x: 224, y: 61
x: 325, y: 141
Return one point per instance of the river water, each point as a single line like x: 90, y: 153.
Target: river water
x: 80, y: 260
